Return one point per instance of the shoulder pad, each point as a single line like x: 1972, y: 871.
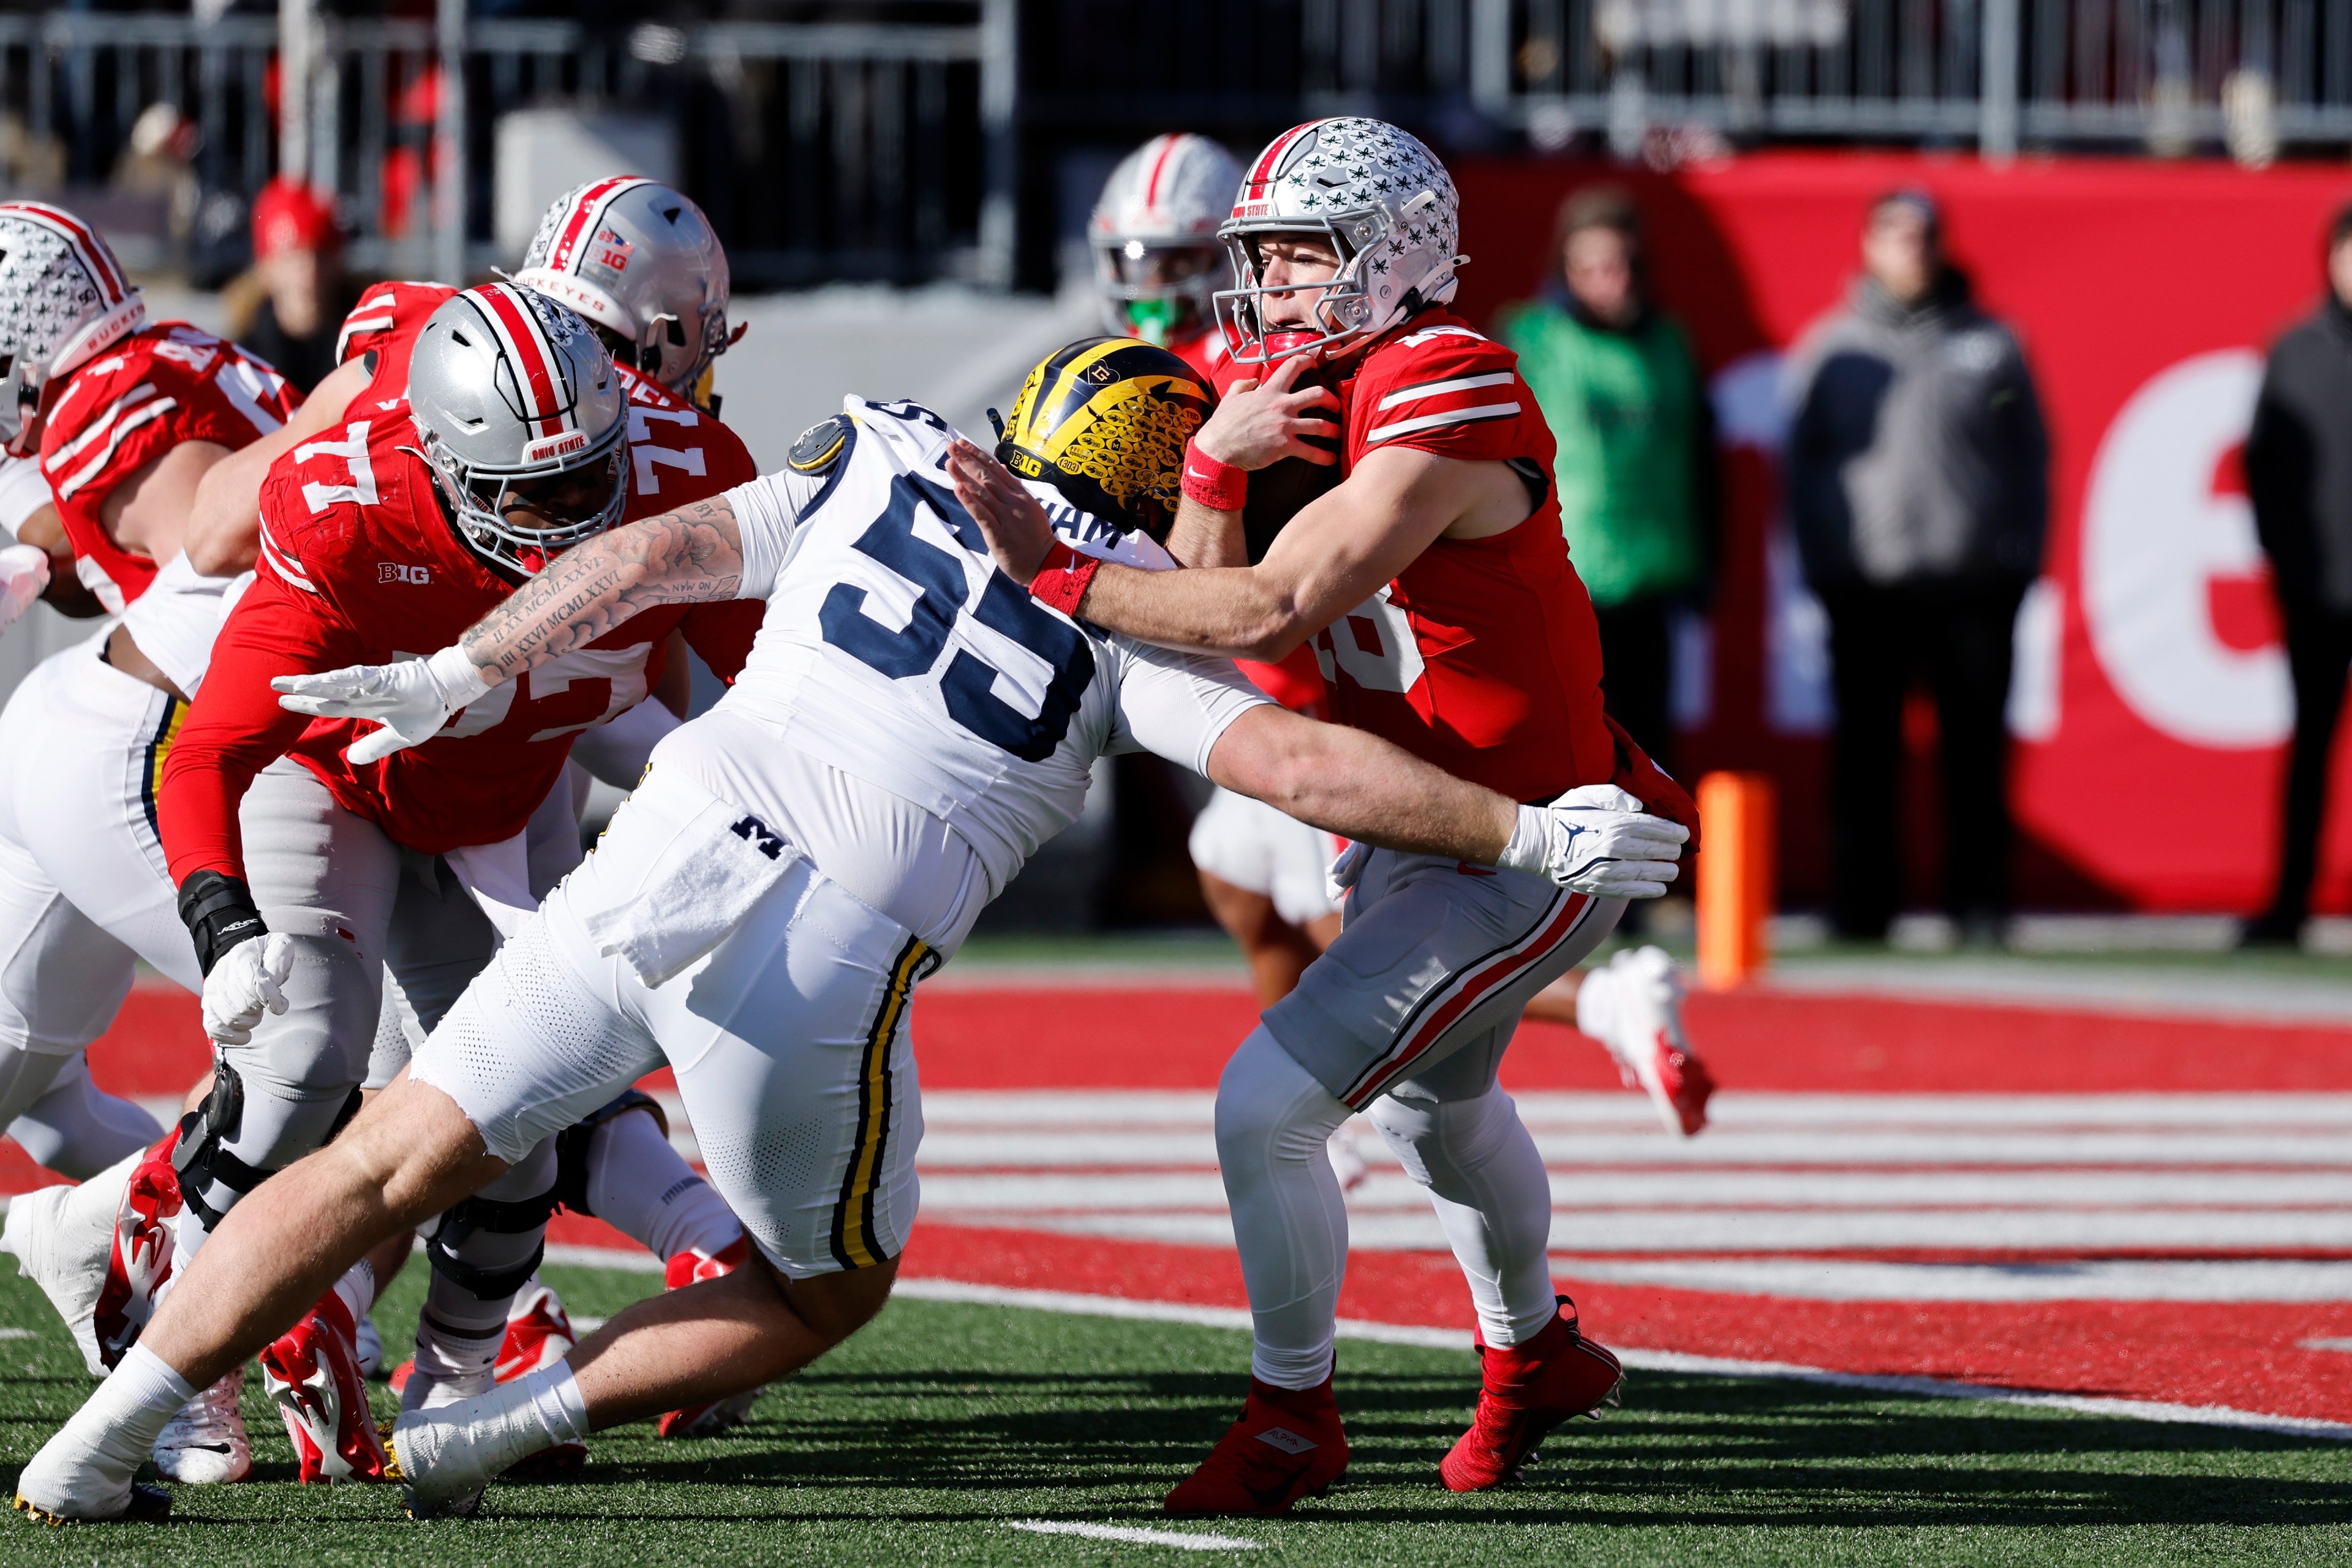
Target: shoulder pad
x: 819, y: 446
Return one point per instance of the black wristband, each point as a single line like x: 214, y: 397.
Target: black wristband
x: 219, y: 912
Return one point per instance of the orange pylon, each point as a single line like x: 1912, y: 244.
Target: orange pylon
x: 1734, y: 877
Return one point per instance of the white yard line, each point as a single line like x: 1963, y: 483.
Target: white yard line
x: 1651, y: 1361
x: 1134, y: 1536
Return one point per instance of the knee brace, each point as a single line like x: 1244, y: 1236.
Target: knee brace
x: 478, y: 1246
x: 491, y: 1217
x: 228, y: 1147
x: 571, y: 1145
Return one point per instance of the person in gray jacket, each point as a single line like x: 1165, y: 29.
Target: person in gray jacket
x: 1917, y: 482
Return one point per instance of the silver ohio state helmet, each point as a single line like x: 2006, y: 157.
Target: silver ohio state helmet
x: 511, y: 393
x: 1382, y: 200
x: 1158, y: 263
x: 641, y: 261
x: 63, y: 299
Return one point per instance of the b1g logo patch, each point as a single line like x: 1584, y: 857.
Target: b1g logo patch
x: 397, y: 571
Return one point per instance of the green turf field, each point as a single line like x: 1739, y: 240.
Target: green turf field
x: 924, y: 1438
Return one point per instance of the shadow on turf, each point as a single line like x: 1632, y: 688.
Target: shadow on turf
x: 1710, y: 1452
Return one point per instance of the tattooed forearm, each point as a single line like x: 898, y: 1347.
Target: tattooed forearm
x: 692, y: 555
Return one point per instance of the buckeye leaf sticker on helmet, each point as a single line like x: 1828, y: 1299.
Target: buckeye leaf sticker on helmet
x: 1105, y: 421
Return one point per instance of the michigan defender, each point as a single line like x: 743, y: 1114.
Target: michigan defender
x: 909, y: 727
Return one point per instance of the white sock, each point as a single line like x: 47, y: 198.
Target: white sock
x: 1290, y: 1222
x: 357, y: 1288
x: 1493, y: 1198
x: 448, y: 1452
x: 638, y: 1185
x: 122, y: 1421
x: 556, y: 1399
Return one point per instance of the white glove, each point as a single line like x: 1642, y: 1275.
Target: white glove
x: 412, y: 700
x: 1597, y: 839
x: 1341, y: 874
x: 24, y: 577
x: 249, y: 977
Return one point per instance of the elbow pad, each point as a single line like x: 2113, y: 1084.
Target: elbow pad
x: 219, y: 912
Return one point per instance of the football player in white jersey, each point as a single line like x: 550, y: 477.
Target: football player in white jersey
x: 909, y: 728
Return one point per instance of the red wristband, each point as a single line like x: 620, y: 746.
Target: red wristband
x: 1220, y: 487
x: 1062, y: 582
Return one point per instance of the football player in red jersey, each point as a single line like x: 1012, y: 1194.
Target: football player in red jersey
x: 1435, y: 583
x: 642, y: 263
x: 372, y: 536
x: 125, y: 416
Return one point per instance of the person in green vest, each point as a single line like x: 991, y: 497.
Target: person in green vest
x: 1636, y: 465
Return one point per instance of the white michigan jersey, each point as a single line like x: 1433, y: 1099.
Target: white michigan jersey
x: 895, y: 654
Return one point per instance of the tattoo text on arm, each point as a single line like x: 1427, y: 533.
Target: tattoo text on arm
x: 692, y: 555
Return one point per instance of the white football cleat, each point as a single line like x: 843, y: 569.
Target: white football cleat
x: 1635, y: 1006
x: 61, y: 1485
x: 62, y: 1238
x: 205, y: 1445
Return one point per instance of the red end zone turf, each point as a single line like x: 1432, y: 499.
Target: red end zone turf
x: 1180, y: 1038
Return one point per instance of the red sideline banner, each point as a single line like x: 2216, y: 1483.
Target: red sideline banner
x: 2152, y: 702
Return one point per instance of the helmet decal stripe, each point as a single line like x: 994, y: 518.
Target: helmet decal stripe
x: 1168, y: 146
x: 519, y: 325
x: 582, y: 222
x: 1271, y: 158
x: 89, y: 249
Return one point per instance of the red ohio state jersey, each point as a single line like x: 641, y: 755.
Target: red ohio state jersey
x: 385, y: 324
x: 1207, y: 354
x: 160, y: 388
x: 1483, y: 656
x: 361, y: 566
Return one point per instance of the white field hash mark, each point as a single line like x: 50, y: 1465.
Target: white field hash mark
x: 1131, y: 1534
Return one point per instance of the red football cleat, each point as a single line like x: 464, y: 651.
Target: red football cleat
x: 141, y: 1258
x: 312, y: 1372
x: 538, y: 1334
x: 1288, y: 1445
x: 709, y: 1420
x: 1529, y: 1389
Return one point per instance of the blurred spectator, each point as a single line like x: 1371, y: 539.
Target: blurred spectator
x: 2299, y: 474
x: 1636, y: 467
x: 296, y: 293
x: 1918, y: 485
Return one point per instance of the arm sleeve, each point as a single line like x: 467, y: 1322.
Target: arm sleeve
x: 1176, y: 705
x: 235, y: 728
x: 767, y: 514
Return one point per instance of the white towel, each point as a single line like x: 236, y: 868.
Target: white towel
x: 719, y: 861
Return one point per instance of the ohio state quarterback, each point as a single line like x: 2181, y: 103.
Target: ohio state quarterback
x: 1435, y: 583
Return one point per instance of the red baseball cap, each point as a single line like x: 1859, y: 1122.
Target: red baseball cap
x: 287, y: 216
